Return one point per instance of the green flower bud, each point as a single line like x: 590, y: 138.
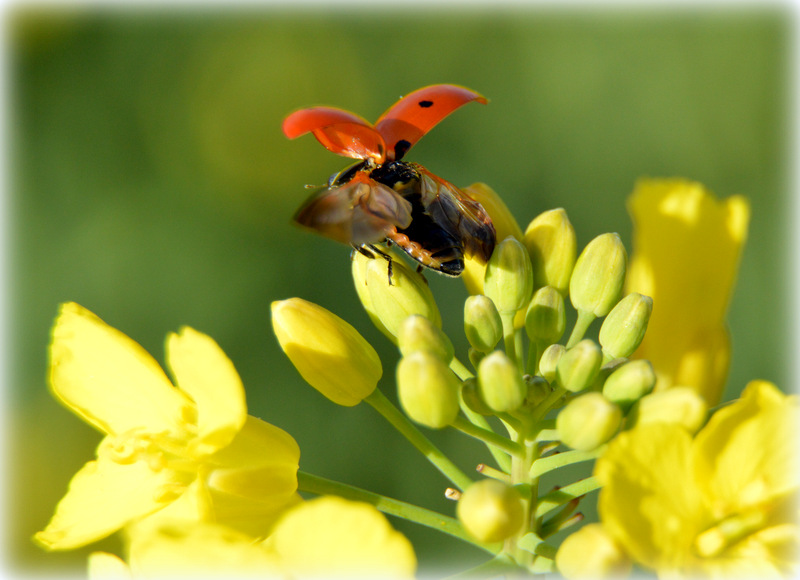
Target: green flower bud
x: 509, y: 277
x: 418, y: 333
x: 591, y: 552
x: 588, y: 421
x: 500, y: 385
x: 490, y: 510
x: 482, y: 323
x: 624, y: 327
x: 391, y: 304
x: 550, y: 239
x: 475, y: 357
x: 427, y: 389
x: 538, y: 389
x: 329, y: 353
x: 472, y: 398
x: 546, y: 318
x: 596, y: 282
x: 629, y: 382
x: 578, y: 368
x: 548, y: 363
x: 674, y: 405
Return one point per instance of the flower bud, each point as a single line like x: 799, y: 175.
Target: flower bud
x: 490, y: 510
x: 624, y: 327
x: 475, y: 357
x: 550, y: 239
x: 391, y: 304
x: 546, y: 318
x: 591, y: 552
x: 418, y: 333
x: 472, y: 398
x: 548, y: 363
x: 329, y: 353
x: 629, y: 382
x: 538, y: 389
x: 596, y: 282
x: 499, y: 383
x: 579, y: 366
x: 588, y: 421
x: 482, y: 323
x: 674, y: 405
x: 504, y: 225
x: 427, y: 389
x: 509, y: 277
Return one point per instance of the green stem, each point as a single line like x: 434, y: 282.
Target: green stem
x: 489, y: 437
x: 547, y: 464
x: 400, y: 422
x: 501, y: 564
x: 463, y: 373
x: 559, y: 497
x: 544, y: 407
x: 581, y: 326
x: 447, y: 525
x: 510, y: 338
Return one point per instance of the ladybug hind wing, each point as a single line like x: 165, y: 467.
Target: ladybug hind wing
x: 358, y: 212
x: 461, y: 215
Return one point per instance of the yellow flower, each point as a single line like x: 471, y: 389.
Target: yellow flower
x: 719, y: 505
x: 322, y: 538
x: 190, y: 444
x: 330, y: 537
x: 328, y: 352
x: 686, y: 255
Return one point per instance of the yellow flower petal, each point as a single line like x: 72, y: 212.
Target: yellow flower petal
x: 108, y: 380
x: 762, y: 426
x: 105, y: 566
x: 331, y: 537
x: 648, y: 501
x: 328, y: 352
x: 207, y: 375
x: 198, y: 550
x: 104, y: 496
x: 686, y: 255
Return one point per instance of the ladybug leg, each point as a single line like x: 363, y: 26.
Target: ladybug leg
x: 363, y: 251
x: 386, y: 257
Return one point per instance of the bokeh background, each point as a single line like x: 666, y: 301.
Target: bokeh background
x: 150, y: 182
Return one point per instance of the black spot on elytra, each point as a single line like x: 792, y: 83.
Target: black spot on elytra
x: 400, y: 148
x: 425, y: 104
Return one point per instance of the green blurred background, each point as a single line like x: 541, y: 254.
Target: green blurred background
x: 151, y: 183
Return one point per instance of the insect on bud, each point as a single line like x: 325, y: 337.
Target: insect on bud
x: 419, y: 333
x: 629, y: 383
x: 591, y: 552
x: 327, y: 352
x: 550, y: 239
x: 588, y: 421
x: 598, y: 276
x: 482, y: 323
x: 427, y: 389
x: 504, y: 224
x: 546, y: 318
x: 392, y: 303
x: 490, y: 510
x: 509, y: 277
x: 548, y: 363
x: 674, y: 405
x: 579, y: 366
x: 624, y: 327
x: 500, y: 385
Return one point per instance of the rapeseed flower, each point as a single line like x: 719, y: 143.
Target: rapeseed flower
x: 190, y: 447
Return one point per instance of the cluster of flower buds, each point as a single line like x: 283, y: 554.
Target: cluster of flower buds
x: 581, y: 390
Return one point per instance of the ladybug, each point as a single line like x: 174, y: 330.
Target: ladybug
x: 382, y: 199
